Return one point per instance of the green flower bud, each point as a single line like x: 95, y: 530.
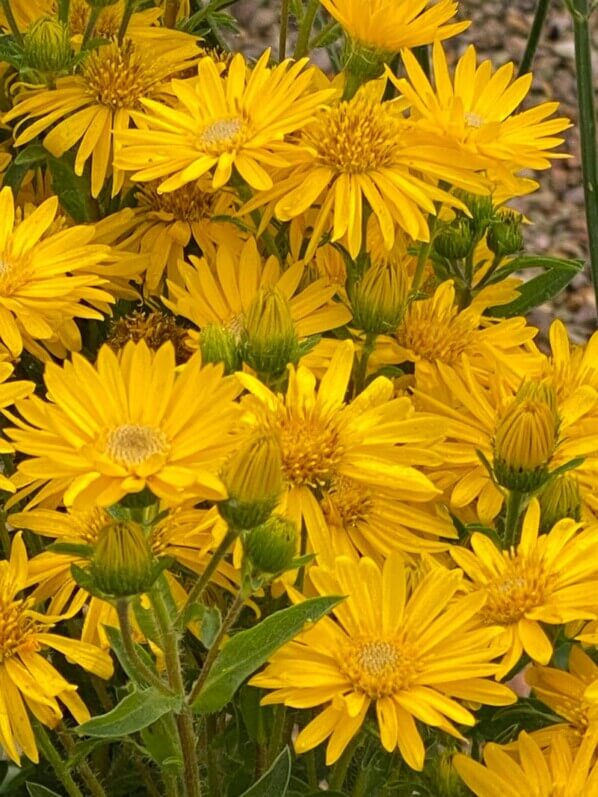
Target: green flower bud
x: 378, y: 299
x: 218, y: 345
x: 253, y: 478
x: 361, y: 64
x: 505, y: 236
x: 271, y: 341
x: 481, y: 209
x: 271, y: 546
x: 47, y: 47
x: 123, y: 563
x: 455, y: 240
x: 559, y: 499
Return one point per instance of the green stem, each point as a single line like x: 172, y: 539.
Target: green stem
x: 228, y: 621
x: 124, y: 23
x: 534, y: 36
x: 284, y: 29
x: 54, y: 758
x: 93, y: 784
x: 175, y: 677
x: 200, y: 585
x: 134, y: 662
x: 339, y: 772
x: 362, y: 367
x: 277, y: 732
x: 322, y: 34
x: 94, y: 13
x: 422, y: 258
x: 12, y: 23
x: 307, y: 22
x: 515, y: 502
x: 4, y: 536
x: 171, y: 785
x: 312, y: 773
x: 63, y: 10
x: 361, y: 784
x: 171, y: 10
x: 422, y: 53
x: 587, y: 127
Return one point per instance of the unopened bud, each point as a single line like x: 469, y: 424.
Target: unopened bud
x: 253, y: 478
x: 47, y: 47
x: 362, y: 63
x: 526, y: 437
x: 271, y: 546
x: 123, y: 563
x: 505, y: 236
x: 559, y: 499
x: 481, y: 209
x: 218, y: 345
x: 271, y: 338
x: 455, y: 241
x: 378, y: 299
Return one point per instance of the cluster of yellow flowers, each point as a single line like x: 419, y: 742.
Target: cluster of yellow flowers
x: 262, y: 336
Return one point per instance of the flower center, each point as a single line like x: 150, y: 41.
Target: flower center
x: 433, y: 334
x: 131, y: 444
x: 16, y: 629
x: 380, y: 667
x: 310, y: 451
x: 118, y: 76
x: 14, y: 273
x: 522, y: 587
x: 185, y: 204
x: 347, y: 503
x: 223, y: 135
x: 474, y: 120
x: 355, y: 137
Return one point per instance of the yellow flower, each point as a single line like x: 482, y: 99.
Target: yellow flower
x: 473, y: 411
x: 563, y: 773
x: 125, y: 424
x: 45, y: 278
x: 362, y: 151
x: 476, y: 111
x: 570, y: 367
x: 412, y: 654
x: 184, y: 534
x: 549, y: 578
x: 28, y: 681
x: 390, y: 25
x: 113, y: 81
x: 238, y: 120
x: 220, y: 292
x: 10, y: 391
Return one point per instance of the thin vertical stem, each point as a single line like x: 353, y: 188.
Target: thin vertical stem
x: 284, y: 29
x: 515, y: 502
x: 93, y: 784
x: 135, y: 663
x: 171, y: 9
x: 305, y: 28
x: 587, y: 127
x: 124, y: 23
x: 422, y: 53
x: 94, y: 13
x: 534, y: 36
x: 63, y: 10
x: 339, y: 772
x: 54, y: 758
x: 12, y: 23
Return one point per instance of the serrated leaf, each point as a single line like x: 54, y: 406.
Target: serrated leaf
x: 274, y: 782
x: 136, y: 711
x: 37, y: 790
x: 245, y: 652
x: 535, y: 292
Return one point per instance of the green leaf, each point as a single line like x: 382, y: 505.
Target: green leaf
x: 37, y: 790
x: 71, y: 549
x: 31, y: 155
x: 535, y: 292
x: 73, y: 191
x: 116, y: 644
x: 245, y: 652
x: 524, y: 262
x: 274, y: 782
x: 135, y: 712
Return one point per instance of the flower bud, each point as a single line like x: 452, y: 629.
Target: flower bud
x: 455, y: 241
x: 123, y: 563
x: 271, y: 546
x: 559, y: 499
x: 218, y: 345
x: 253, y: 478
x: 271, y: 341
x: 362, y: 63
x: 47, y: 47
x: 526, y: 437
x: 482, y: 212
x: 378, y: 299
x: 505, y: 236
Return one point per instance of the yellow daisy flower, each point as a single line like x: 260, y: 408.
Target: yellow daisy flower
x: 562, y: 773
x: 473, y: 413
x: 10, y: 391
x: 412, y: 654
x: 185, y: 534
x: 45, y: 278
x: 476, y: 110
x: 570, y: 367
x: 237, y: 120
x: 28, y: 681
x: 375, y: 440
x: 390, y: 25
x: 362, y: 151
x: 220, y: 292
x: 549, y: 578
x: 90, y: 106
x: 127, y: 423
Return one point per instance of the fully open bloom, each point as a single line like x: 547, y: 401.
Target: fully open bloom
x: 549, y: 578
x: 127, y: 423
x: 238, y: 120
x: 410, y: 655
x: 28, y: 681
